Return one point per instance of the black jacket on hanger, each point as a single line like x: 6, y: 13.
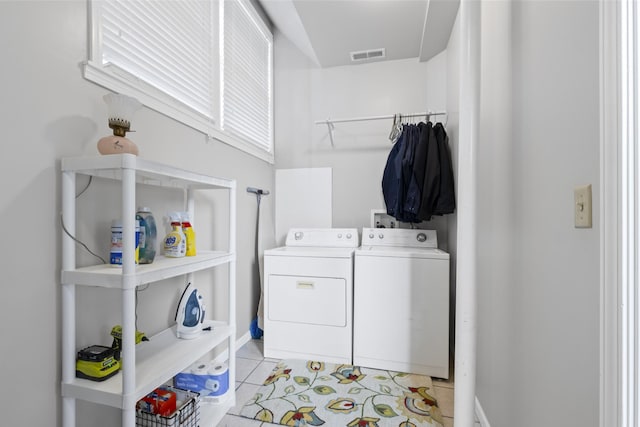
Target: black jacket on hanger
x: 446, y: 202
x: 392, y: 183
x: 413, y: 198
x: 417, y: 182
x: 431, y: 182
x: 412, y: 136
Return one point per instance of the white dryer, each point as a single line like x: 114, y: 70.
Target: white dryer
x: 401, y: 302
x: 308, y: 291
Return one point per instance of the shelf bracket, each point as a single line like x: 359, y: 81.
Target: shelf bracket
x: 330, y: 128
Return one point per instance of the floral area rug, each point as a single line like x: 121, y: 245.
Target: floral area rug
x: 301, y: 393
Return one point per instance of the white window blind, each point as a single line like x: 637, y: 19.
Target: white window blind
x: 205, y: 63
x: 166, y: 44
x: 246, y: 101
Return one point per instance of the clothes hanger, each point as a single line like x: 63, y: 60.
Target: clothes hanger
x: 396, y: 129
x: 392, y: 134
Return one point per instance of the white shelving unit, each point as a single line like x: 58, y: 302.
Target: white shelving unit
x: 152, y: 363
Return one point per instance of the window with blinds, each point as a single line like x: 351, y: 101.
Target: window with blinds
x: 246, y: 74
x: 207, y: 64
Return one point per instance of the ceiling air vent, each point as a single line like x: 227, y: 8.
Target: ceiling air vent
x: 367, y: 54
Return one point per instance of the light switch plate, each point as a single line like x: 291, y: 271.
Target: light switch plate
x: 582, y: 206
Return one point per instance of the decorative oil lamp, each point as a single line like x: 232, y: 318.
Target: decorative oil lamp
x: 121, y: 109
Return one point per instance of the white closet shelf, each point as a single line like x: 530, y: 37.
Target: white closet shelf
x: 109, y: 276
x: 157, y: 361
x: 147, y: 172
x: 149, y: 364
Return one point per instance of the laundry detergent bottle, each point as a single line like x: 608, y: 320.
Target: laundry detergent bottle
x: 187, y: 229
x: 115, y: 255
x: 175, y: 243
x: 148, y: 235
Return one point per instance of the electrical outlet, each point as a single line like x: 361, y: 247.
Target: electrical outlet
x: 582, y: 206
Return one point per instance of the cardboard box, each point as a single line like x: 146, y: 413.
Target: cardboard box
x: 160, y: 401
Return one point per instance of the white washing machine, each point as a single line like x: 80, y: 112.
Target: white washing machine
x: 308, y: 291
x: 401, y: 302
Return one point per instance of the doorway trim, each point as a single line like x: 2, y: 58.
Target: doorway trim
x: 619, y: 214
x: 466, y: 322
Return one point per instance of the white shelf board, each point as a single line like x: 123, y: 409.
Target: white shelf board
x: 147, y: 172
x: 157, y: 361
x: 109, y: 276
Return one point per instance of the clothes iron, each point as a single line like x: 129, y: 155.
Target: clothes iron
x: 190, y: 313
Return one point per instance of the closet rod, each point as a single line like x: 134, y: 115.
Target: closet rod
x: 389, y: 116
x: 330, y: 122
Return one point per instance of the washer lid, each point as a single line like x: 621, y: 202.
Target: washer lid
x: 308, y: 251
x: 398, y: 252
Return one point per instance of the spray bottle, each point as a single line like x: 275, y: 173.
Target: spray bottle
x: 175, y: 244
x: 187, y: 229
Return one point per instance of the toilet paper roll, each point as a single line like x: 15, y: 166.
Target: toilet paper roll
x: 218, y: 368
x: 208, y: 378
x: 218, y: 379
x: 200, y: 369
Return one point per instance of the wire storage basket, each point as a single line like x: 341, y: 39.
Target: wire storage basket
x: 186, y: 415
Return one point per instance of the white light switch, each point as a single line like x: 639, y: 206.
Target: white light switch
x: 582, y: 206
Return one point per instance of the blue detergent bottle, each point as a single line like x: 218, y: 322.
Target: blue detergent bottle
x: 148, y: 235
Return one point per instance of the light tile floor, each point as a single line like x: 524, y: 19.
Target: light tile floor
x: 252, y: 368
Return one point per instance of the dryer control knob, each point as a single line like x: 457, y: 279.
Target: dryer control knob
x: 371, y: 235
x: 381, y: 236
x: 298, y: 235
x: 339, y: 235
x: 421, y: 237
x: 348, y: 235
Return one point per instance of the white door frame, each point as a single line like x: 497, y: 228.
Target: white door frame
x: 619, y: 220
x: 466, y: 330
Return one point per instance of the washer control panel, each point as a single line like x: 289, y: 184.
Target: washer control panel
x: 400, y: 237
x: 323, y: 237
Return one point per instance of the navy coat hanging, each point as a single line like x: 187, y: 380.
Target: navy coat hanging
x: 417, y: 182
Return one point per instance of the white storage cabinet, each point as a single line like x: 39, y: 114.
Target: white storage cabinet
x: 149, y: 364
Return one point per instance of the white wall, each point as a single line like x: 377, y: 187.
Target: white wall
x: 538, y: 276
x: 292, y: 106
x: 48, y: 112
x: 361, y: 148
x: 306, y: 94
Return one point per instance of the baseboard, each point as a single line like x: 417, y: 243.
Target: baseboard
x: 482, y: 417
x: 224, y: 356
x: 243, y: 340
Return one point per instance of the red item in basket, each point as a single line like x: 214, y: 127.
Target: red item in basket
x: 159, y: 401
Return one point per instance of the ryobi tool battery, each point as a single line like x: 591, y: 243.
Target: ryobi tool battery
x: 96, y: 363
